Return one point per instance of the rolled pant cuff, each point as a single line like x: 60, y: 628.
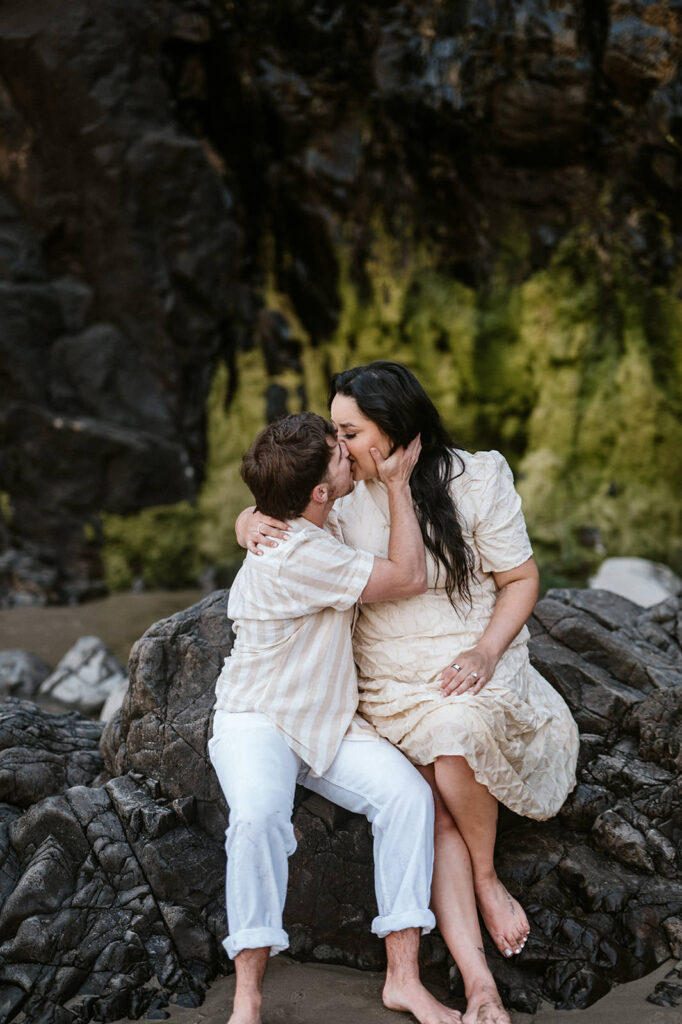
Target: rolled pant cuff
x: 424, y: 919
x: 256, y: 938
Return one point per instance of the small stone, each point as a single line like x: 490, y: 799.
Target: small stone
x: 673, y: 930
x: 666, y: 993
x: 647, y: 583
x: 84, y: 678
x: 21, y: 673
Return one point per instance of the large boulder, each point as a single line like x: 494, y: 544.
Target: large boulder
x: 113, y: 886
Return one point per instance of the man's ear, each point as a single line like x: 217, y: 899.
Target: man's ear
x: 320, y: 493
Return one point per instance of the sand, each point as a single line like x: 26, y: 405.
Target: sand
x: 118, y: 620
x: 318, y: 994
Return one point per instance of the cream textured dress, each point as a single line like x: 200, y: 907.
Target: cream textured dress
x: 517, y: 734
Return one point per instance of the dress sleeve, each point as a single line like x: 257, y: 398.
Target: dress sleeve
x: 500, y: 533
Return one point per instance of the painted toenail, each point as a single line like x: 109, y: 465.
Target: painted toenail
x: 518, y: 950
x: 507, y: 952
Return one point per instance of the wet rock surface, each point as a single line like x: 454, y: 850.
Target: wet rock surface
x: 41, y: 753
x: 112, y: 886
x: 669, y: 991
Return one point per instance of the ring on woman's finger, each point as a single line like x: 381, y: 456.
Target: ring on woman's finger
x: 474, y: 674
x: 455, y: 665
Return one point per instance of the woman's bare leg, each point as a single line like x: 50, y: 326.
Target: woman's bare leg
x: 454, y: 904
x: 474, y: 811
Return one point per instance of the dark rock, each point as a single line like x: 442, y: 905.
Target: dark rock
x: 668, y: 992
x: 614, y: 836
x: 125, y: 877
x: 103, y: 196
x: 164, y: 723
x: 658, y: 722
x: 673, y: 929
x: 26, y: 580
x: 42, y: 754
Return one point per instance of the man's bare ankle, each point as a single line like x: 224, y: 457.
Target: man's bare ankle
x: 246, y: 1007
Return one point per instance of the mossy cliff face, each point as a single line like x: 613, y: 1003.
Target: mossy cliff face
x: 419, y: 180
x: 574, y: 373
x: 604, y: 443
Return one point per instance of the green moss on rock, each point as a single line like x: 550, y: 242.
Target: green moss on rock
x: 604, y: 442
x: 573, y: 372
x: 157, y: 546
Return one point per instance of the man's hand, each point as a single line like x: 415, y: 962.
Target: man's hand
x: 255, y: 530
x: 397, y: 468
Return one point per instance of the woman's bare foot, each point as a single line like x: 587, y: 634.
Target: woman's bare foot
x: 484, y: 1006
x: 504, y: 916
x: 411, y: 997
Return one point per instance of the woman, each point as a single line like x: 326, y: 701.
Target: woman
x: 445, y: 676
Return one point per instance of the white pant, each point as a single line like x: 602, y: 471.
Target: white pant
x: 258, y: 773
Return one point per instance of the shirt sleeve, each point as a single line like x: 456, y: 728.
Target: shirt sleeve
x: 323, y: 573
x: 500, y: 533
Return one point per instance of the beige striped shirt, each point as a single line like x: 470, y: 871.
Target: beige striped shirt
x: 292, y: 658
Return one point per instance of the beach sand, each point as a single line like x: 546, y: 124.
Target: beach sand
x: 297, y: 993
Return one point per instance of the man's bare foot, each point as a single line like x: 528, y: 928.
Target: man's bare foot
x: 504, y: 916
x: 246, y: 1010
x: 484, y: 1006
x: 412, y: 997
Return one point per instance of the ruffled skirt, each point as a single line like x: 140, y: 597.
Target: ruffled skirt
x: 516, y: 734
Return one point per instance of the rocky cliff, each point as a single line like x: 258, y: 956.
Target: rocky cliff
x: 488, y: 190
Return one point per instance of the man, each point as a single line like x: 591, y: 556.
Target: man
x: 285, y: 711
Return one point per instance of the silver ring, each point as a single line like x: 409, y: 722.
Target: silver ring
x: 455, y: 665
x: 474, y: 674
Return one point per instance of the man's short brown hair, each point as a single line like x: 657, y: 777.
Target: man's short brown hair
x: 286, y: 461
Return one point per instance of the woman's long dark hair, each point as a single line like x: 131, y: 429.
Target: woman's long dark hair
x: 392, y: 397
